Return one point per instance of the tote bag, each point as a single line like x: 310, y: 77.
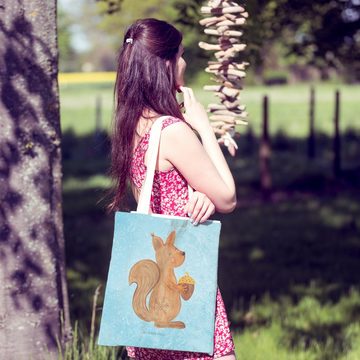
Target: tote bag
x: 162, y: 279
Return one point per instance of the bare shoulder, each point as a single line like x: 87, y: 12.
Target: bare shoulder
x: 177, y: 136
x: 180, y: 141
x: 174, y: 127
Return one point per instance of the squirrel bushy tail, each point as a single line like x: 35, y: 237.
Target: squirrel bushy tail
x: 145, y: 274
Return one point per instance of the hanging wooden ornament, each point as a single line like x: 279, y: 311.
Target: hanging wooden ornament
x: 225, y: 18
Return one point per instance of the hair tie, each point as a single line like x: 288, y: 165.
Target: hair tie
x: 129, y: 40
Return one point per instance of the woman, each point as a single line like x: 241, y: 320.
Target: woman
x: 150, y: 71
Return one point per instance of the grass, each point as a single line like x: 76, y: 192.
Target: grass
x: 288, y: 107
x: 288, y: 269
x: 81, y: 348
x: 310, y: 329
x: 274, y: 330
x: 77, y: 106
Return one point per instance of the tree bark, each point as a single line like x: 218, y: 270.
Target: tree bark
x: 34, y: 309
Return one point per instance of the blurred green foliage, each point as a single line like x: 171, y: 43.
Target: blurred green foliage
x: 66, y: 50
x: 321, y: 33
x: 276, y: 77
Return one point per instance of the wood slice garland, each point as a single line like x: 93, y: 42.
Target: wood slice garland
x: 224, y: 15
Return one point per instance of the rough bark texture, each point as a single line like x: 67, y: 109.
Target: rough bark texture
x: 33, y: 292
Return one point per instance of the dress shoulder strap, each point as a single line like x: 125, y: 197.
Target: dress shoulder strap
x: 168, y: 120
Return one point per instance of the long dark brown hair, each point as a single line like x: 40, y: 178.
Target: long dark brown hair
x: 143, y: 82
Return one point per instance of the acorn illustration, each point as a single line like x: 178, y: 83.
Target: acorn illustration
x: 190, y: 282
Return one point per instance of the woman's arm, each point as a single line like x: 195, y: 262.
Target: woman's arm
x: 198, y: 160
x: 212, y: 148
x: 197, y: 117
x: 202, y: 165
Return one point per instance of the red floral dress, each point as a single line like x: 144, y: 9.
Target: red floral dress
x: 169, y: 196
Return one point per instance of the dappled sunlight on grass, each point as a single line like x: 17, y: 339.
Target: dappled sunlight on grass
x: 265, y: 343
x: 97, y: 181
x: 308, y: 329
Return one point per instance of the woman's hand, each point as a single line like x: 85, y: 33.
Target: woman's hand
x: 199, y: 207
x: 195, y: 113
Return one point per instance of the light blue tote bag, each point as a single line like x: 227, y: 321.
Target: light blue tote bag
x: 162, y: 280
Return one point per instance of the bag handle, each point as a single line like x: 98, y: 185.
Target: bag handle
x: 153, y: 149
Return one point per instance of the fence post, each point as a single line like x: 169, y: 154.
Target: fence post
x: 264, y: 153
x: 311, y: 139
x: 98, y: 114
x: 97, y: 133
x: 337, y: 144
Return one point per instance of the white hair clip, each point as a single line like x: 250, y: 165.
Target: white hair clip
x: 129, y: 40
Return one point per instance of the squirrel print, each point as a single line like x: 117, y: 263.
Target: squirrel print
x: 158, y: 278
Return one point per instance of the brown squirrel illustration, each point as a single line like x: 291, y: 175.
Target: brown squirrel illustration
x: 158, y: 278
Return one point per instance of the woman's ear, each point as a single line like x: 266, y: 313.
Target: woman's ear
x: 167, y: 62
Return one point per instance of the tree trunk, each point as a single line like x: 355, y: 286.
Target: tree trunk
x: 34, y: 309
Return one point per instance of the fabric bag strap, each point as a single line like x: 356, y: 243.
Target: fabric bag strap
x: 153, y: 149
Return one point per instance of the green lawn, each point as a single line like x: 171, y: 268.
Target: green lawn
x: 289, y: 107
x: 288, y: 269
